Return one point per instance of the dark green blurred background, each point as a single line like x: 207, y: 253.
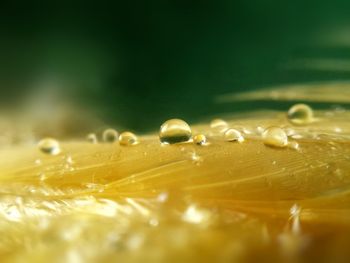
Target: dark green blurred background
x: 138, y: 63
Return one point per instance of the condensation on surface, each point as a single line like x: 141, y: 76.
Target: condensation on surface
x: 242, y: 202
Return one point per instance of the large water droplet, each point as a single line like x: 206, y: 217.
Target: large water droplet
x: 275, y: 136
x: 128, y: 138
x: 232, y: 135
x: 49, y: 146
x: 219, y: 125
x: 91, y: 137
x: 300, y: 114
x: 200, y: 139
x: 110, y: 135
x: 175, y: 131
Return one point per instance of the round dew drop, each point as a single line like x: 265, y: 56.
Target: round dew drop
x: 49, y: 146
x: 300, y: 114
x: 92, y: 138
x: 110, y: 135
x: 175, y: 131
x: 232, y: 135
x: 275, y: 136
x: 127, y: 138
x: 219, y: 125
x: 200, y: 139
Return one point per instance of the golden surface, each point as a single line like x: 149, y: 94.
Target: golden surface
x: 219, y: 202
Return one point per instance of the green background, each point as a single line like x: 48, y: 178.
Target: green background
x: 138, y: 63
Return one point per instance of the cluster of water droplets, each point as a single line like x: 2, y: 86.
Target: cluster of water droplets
x: 176, y: 131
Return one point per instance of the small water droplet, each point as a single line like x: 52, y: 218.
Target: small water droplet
x: 110, y: 135
x: 175, y: 131
x: 49, y: 146
x: 128, y: 138
x: 200, y: 139
x: 232, y: 135
x: 300, y: 114
x: 219, y: 125
x: 37, y: 162
x: 275, y: 136
x: 92, y: 138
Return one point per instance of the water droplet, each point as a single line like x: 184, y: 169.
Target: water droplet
x: 37, y: 162
x: 49, y: 146
x: 128, y: 138
x: 233, y: 135
x: 275, y: 136
x: 219, y: 125
x: 200, y: 139
x: 300, y: 114
x: 110, y: 135
x: 175, y: 131
x: 92, y: 138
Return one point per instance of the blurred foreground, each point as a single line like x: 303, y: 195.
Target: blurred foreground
x: 218, y: 202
